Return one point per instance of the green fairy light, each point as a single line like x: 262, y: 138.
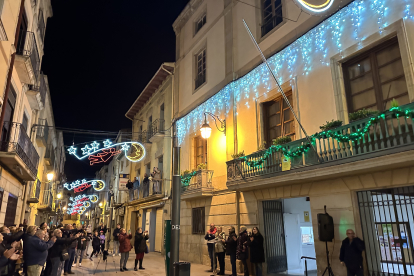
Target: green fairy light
x: 185, y: 180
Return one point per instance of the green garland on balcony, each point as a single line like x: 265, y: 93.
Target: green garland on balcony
x: 343, y: 138
x: 185, y: 179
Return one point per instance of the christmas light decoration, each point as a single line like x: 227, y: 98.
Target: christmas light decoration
x: 134, y: 154
x: 316, y: 8
x: 80, y: 186
x: 309, y: 52
x: 81, y: 203
x: 334, y: 134
x: 185, y: 180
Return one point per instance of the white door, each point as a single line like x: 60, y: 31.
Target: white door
x: 292, y: 240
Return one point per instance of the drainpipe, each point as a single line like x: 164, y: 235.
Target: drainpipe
x: 10, y: 73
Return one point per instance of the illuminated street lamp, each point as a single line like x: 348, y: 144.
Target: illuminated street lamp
x: 100, y: 204
x: 50, y: 176
x: 59, y: 196
x: 206, y: 129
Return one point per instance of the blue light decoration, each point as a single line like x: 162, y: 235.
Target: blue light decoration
x: 81, y: 185
x: 81, y: 203
x: 309, y: 52
x: 97, y: 154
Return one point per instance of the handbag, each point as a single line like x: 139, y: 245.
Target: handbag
x: 64, y: 255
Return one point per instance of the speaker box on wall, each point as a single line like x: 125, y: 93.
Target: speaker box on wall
x: 325, y: 227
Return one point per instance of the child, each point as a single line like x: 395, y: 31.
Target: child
x: 95, y: 245
x: 102, y: 238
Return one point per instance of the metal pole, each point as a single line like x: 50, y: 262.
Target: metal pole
x: 176, y: 201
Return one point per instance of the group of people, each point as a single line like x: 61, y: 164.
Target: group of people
x: 122, y: 246
x: 237, y: 247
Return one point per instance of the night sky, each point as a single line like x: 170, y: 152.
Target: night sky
x: 99, y: 56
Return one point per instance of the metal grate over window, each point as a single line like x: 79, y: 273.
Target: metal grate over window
x: 198, y: 220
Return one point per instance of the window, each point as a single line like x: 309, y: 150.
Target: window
x: 20, y: 49
x: 278, y: 119
x: 375, y: 78
x: 25, y: 122
x: 200, y: 23
x: 271, y: 14
x: 200, y: 68
x: 11, y: 210
x: 41, y: 25
x: 198, y: 220
x: 8, y: 114
x: 160, y: 164
x: 200, y: 151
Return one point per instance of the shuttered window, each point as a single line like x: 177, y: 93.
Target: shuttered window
x: 198, y: 220
x: 11, y: 210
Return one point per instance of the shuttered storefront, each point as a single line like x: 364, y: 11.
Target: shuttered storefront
x: 158, y: 230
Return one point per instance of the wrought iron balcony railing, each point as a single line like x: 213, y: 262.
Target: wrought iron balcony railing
x: 42, y: 130
x: 41, y: 88
x: 389, y: 132
x: 34, y: 192
x: 157, y: 127
x: 47, y: 199
x: 201, y: 180
x: 27, y: 46
x: 15, y: 139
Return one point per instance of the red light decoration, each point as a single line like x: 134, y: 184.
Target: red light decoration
x: 103, y: 156
x: 82, y: 187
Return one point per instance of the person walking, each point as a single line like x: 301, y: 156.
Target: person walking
x: 255, y: 243
x: 124, y: 248
x: 351, y: 254
x: 231, y: 248
x: 211, y: 235
x: 80, y: 248
x: 242, y: 253
x: 96, y: 245
x: 36, y: 254
x: 115, y: 234
x: 102, y: 241
x: 55, y: 252
x: 221, y: 249
x: 140, y: 244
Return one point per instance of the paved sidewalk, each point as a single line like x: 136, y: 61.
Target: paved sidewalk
x: 153, y: 262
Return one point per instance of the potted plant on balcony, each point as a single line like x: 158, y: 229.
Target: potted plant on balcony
x: 282, y: 140
x: 362, y: 114
x: 331, y: 125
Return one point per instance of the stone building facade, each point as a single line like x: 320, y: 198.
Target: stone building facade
x: 324, y: 64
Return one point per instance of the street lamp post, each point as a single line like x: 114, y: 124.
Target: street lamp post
x: 206, y: 129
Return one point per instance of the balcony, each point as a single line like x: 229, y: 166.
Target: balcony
x: 388, y: 143
x: 37, y: 94
x: 49, y: 157
x: 42, y: 133
x: 27, y: 61
x: 144, y: 193
x: 46, y: 202
x: 34, y: 192
x: 17, y: 153
x: 157, y: 131
x: 199, y: 186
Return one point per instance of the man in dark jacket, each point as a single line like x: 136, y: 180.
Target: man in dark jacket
x: 70, y: 233
x: 55, y: 252
x: 351, y: 254
x: 211, y: 235
x: 35, y: 252
x: 231, y: 247
x: 116, y: 241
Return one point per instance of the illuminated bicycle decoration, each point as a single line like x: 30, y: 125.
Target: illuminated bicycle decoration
x: 316, y: 5
x: 134, y: 151
x: 81, y: 185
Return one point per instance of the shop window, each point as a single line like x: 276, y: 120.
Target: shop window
x: 375, y: 78
x: 198, y: 220
x: 278, y: 119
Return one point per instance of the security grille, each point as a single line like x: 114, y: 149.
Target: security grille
x: 387, y: 223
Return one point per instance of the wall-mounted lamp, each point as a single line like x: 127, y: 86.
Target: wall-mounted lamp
x: 206, y: 129
x: 50, y: 176
x: 59, y: 196
x: 100, y: 204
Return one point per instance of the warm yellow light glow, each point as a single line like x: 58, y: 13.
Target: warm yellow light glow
x: 59, y: 196
x: 100, y: 204
x: 49, y: 176
x: 64, y: 208
x: 205, y: 131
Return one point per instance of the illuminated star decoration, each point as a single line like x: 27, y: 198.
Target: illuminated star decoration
x: 97, y: 154
x: 80, y: 186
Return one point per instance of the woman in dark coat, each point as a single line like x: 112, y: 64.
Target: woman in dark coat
x: 231, y: 248
x: 96, y: 245
x: 242, y: 253
x: 255, y: 243
x: 140, y: 246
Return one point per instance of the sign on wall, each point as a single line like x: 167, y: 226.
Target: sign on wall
x: 123, y: 180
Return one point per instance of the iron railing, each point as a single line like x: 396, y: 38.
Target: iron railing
x: 157, y: 127
x: 200, y: 79
x: 47, y: 198
x: 27, y: 46
x: 201, y: 180
x: 35, y: 189
x: 50, y: 154
x: 15, y: 139
x: 42, y: 130
x: 146, y: 189
x: 144, y: 136
x: 306, y: 263
x: 40, y: 86
x: 387, y: 133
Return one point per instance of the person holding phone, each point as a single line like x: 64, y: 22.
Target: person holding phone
x: 140, y: 247
x: 124, y: 248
